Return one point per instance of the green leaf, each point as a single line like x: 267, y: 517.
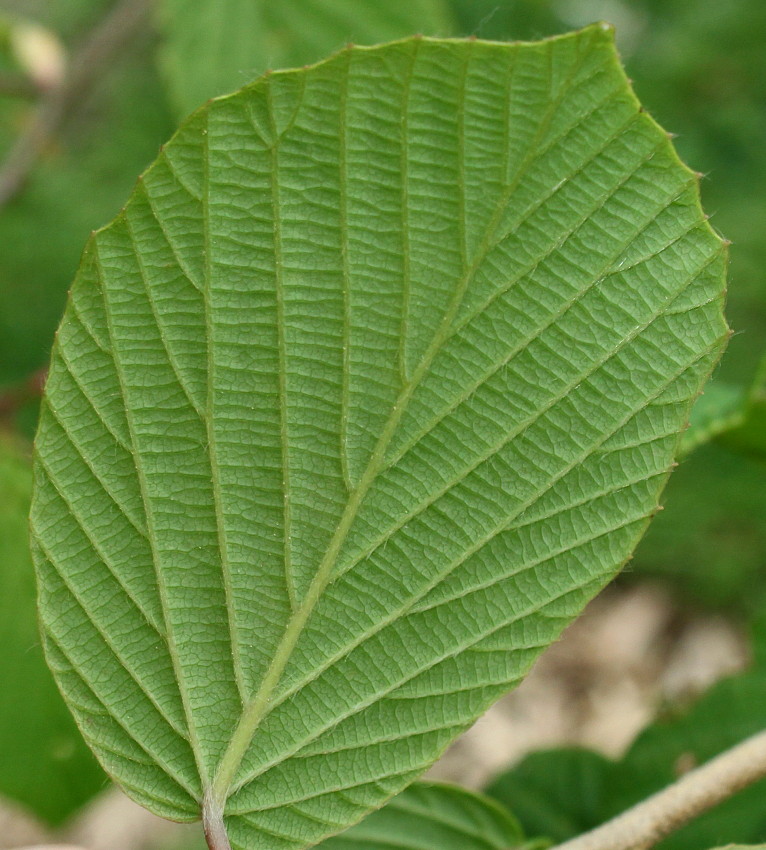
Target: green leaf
x: 559, y: 793
x: 45, y: 764
x: 434, y: 817
x: 212, y: 47
x: 371, y: 387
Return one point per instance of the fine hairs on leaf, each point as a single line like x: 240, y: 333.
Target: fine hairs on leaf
x: 372, y: 385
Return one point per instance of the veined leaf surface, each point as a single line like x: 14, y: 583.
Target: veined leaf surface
x: 372, y: 385
x: 214, y: 46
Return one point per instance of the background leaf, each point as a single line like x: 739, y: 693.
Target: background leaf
x: 710, y: 539
x: 433, y: 817
x: 719, y: 410
x: 731, y: 414
x: 45, y: 764
x: 750, y: 435
x: 558, y: 793
x: 371, y: 387
x: 213, y: 47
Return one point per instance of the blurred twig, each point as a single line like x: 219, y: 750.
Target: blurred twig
x: 124, y: 20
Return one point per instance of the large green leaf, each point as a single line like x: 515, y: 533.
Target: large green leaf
x: 434, y: 817
x: 371, y: 387
x: 44, y: 763
x: 214, y: 46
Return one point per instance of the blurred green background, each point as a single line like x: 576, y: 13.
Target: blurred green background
x: 699, y: 67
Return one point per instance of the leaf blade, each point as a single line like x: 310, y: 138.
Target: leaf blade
x: 340, y: 452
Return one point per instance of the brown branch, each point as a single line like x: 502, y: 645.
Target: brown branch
x: 124, y: 21
x: 699, y: 790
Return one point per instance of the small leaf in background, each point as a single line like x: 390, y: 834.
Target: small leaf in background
x: 373, y: 384
x: 718, y: 410
x: 558, y: 793
x: 213, y: 47
x: 442, y: 817
x: 45, y: 764
x: 733, y: 415
x: 711, y: 541
x: 562, y: 793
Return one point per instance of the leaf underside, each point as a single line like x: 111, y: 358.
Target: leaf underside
x: 373, y: 384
